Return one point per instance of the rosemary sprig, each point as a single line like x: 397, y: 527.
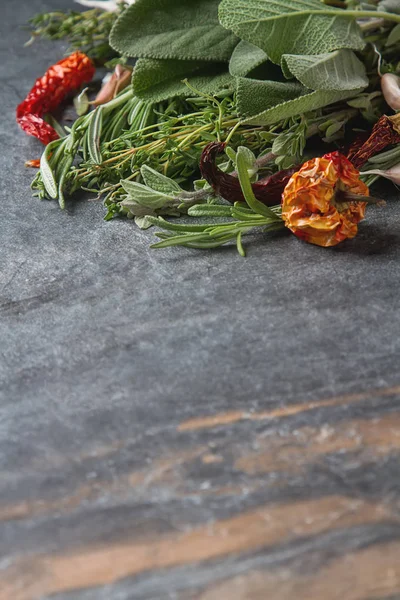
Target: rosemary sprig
x: 242, y: 220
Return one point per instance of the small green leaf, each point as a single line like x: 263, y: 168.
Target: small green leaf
x: 81, y: 103
x: 94, y: 134
x: 239, y: 244
x: 209, y: 210
x: 141, y: 195
x: 159, y: 182
x: 247, y: 190
x: 64, y: 170
x: 143, y: 222
x: 333, y: 128
x: 245, y: 58
x: 255, y: 96
x: 339, y: 70
x: 394, y: 35
x: 46, y: 172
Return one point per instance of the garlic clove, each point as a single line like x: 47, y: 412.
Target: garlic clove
x: 393, y: 174
x: 390, y: 85
x: 114, y: 84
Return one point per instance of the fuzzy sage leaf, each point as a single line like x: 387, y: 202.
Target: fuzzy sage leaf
x: 180, y: 29
x: 291, y: 27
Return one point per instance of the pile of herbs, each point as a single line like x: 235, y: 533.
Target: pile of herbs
x: 268, y: 77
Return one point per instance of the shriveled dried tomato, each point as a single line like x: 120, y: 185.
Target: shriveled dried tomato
x: 315, y: 204
x: 49, y: 91
x: 267, y: 190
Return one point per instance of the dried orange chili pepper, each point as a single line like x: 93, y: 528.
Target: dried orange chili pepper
x: 320, y: 204
x: 49, y: 91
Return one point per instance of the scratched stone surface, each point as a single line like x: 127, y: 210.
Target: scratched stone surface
x: 188, y: 426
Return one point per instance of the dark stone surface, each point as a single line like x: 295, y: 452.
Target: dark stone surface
x: 114, y: 358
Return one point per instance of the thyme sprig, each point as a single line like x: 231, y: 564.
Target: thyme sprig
x: 86, y: 31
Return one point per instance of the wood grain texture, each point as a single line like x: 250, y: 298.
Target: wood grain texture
x: 274, y: 530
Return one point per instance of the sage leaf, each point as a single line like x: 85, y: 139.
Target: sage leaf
x: 180, y: 29
x: 158, y: 182
x: 255, y: 96
x: 143, y: 222
x: 305, y: 102
x: 394, y: 36
x: 291, y: 27
x: 139, y: 194
x: 391, y: 6
x: 150, y: 74
x: 339, y: 70
x: 245, y: 58
x: 207, y: 80
x: 94, y: 134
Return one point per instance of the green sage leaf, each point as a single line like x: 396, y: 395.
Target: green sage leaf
x: 151, y: 74
x: 158, y: 182
x: 291, y: 27
x: 339, y: 70
x: 255, y: 96
x: 143, y: 222
x: 139, y: 194
x: 394, y: 36
x: 209, y: 79
x: 180, y: 29
x: 305, y: 102
x: 245, y: 58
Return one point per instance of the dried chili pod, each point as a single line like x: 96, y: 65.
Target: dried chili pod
x: 325, y: 200
x: 267, y: 190
x: 66, y: 76
x: 383, y: 134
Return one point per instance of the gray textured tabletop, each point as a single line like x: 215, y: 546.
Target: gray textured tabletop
x: 186, y: 425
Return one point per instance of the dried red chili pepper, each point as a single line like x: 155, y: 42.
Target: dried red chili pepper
x: 383, y: 134
x: 34, y: 163
x: 49, y: 91
x: 325, y: 200
x: 267, y: 190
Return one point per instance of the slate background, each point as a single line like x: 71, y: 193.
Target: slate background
x: 107, y: 347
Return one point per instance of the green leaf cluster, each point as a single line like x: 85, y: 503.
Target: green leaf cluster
x: 282, y: 57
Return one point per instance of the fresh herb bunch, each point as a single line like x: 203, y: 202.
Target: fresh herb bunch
x: 264, y: 76
x: 86, y: 31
